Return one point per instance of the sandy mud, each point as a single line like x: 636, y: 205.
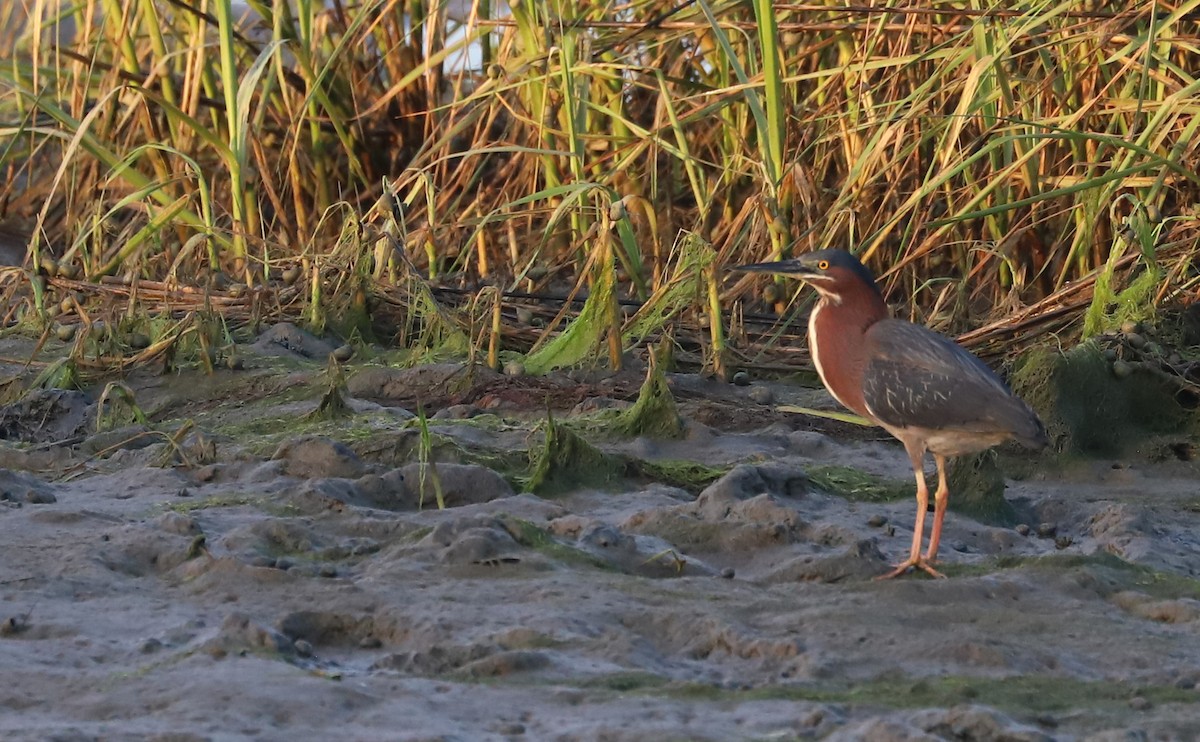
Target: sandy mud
x: 234, y: 566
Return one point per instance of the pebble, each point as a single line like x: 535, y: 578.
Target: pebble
x: 303, y: 648
x: 12, y: 625
x: 327, y: 570
x: 1046, y: 530
x: 1129, y: 327
x: 728, y: 573
x: 1063, y: 542
x: 761, y: 395
x: 512, y: 728
x: 205, y: 473
x: 33, y: 497
x: 1023, y: 529
x: 741, y: 378
x: 524, y: 316
x: 370, y: 642
x: 284, y: 563
x: 1135, y: 340
x: 150, y: 646
x: 877, y: 521
x: 1140, y: 703
x: 138, y: 340
x: 65, y: 333
x: 343, y: 353
x: 514, y: 368
x: 1121, y: 369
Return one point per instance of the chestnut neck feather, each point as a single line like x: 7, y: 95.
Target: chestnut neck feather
x: 836, y: 340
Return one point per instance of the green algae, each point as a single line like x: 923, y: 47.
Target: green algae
x: 859, y: 486
x: 654, y: 414
x: 533, y: 537
x: 1087, y: 410
x: 566, y: 462
x: 687, y: 475
x: 977, y: 489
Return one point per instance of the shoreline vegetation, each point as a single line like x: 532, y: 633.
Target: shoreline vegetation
x: 1012, y: 175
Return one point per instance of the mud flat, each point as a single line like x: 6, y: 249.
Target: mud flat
x: 244, y: 563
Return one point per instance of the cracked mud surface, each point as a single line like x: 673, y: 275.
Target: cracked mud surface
x: 267, y: 576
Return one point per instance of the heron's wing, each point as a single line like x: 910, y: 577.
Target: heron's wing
x: 917, y: 378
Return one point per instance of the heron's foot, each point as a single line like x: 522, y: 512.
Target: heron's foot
x: 920, y: 563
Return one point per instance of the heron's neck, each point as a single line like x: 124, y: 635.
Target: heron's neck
x: 836, y: 332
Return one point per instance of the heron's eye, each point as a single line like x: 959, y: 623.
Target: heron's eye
x: 823, y: 265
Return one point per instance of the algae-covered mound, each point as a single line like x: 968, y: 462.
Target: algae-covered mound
x: 977, y: 489
x: 567, y: 462
x: 654, y: 413
x: 1087, y: 409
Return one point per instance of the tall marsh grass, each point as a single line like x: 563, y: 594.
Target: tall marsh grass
x: 981, y: 157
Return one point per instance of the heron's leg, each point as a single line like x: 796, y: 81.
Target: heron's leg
x: 939, y: 508
x: 916, y: 454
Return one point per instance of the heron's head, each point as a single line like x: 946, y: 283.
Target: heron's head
x: 836, y: 274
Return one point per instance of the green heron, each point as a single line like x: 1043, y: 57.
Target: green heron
x: 921, y: 387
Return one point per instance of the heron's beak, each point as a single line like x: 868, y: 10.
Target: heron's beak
x: 794, y: 267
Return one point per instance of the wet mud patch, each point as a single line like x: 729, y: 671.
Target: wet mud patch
x: 717, y: 584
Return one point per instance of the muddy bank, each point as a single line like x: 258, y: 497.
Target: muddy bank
x: 235, y: 566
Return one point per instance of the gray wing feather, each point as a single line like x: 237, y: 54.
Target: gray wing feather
x: 917, y: 378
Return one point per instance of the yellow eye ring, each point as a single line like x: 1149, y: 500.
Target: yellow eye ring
x: 823, y: 265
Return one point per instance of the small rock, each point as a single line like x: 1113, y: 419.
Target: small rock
x: 65, y: 333
x: 35, y: 497
x: 1135, y: 340
x: 370, y: 642
x: 1128, y: 327
x: 741, y: 378
x: 1023, y: 529
x: 287, y: 339
x: 205, y: 473
x: 343, y: 353
x: 1140, y: 703
x: 513, y: 728
x: 514, y: 368
x: 524, y: 316
x: 317, y: 456
x: 1121, y: 369
x: 1063, y: 542
x: 303, y: 648
x: 728, y: 573
x: 12, y: 625
x: 284, y: 563
x: 877, y: 521
x: 150, y: 646
x: 457, y: 412
x: 1046, y: 530
x: 761, y: 395
x: 327, y: 570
